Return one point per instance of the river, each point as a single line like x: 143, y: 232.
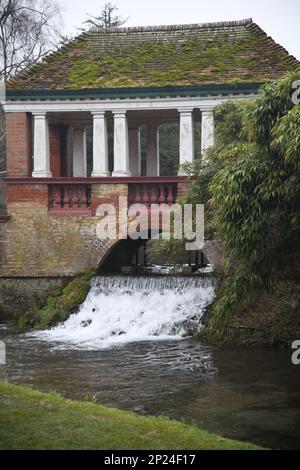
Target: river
x: 142, y: 359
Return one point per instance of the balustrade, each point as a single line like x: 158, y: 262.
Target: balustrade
x: 147, y: 194
x: 69, y: 199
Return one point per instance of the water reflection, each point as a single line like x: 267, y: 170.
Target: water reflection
x: 247, y: 395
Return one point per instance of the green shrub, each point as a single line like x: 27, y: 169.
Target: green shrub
x: 59, y: 307
x: 250, y: 183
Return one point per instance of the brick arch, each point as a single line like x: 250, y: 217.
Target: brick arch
x: 111, y: 245
x: 107, y: 249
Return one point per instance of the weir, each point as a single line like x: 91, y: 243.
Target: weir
x: 126, y: 309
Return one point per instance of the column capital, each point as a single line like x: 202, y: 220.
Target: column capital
x: 119, y: 112
x: 207, y: 110
x: 185, y: 110
x: 39, y: 114
x: 100, y: 114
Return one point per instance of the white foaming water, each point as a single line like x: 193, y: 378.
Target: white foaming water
x: 129, y: 309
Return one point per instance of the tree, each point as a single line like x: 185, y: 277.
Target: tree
x: 108, y: 18
x: 250, y: 184
x: 256, y: 193
x: 2, y: 162
x: 29, y: 30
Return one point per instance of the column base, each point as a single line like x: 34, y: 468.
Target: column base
x: 121, y: 174
x: 36, y: 174
x: 100, y: 175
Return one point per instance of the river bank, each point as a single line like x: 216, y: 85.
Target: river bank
x: 41, y: 302
x: 268, y: 318
x: 130, y: 345
x: 34, y: 420
x: 240, y: 394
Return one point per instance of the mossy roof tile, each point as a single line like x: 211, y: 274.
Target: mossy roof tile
x: 160, y: 56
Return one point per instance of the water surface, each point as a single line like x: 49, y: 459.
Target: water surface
x: 246, y: 395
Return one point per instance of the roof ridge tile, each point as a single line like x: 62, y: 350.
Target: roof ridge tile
x: 174, y: 27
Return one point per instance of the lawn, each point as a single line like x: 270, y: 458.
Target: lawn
x: 30, y: 419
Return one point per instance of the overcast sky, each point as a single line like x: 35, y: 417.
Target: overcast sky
x: 279, y: 18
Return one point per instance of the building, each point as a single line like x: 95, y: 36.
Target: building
x: 120, y: 80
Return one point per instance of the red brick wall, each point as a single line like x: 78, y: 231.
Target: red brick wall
x: 33, y: 244
x: 18, y: 144
x: 55, y: 138
x: 27, y: 193
x: 36, y: 245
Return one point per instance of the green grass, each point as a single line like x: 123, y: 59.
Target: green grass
x: 33, y: 420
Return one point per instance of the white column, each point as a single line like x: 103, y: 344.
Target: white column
x: 121, y: 144
x: 135, y: 152
x: 207, y: 132
x: 187, y: 146
x: 41, y: 156
x: 79, y: 153
x: 100, y: 146
x: 152, y: 151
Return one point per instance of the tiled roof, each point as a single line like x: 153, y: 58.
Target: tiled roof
x: 182, y: 55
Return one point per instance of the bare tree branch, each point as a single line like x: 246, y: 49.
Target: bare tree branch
x: 29, y: 30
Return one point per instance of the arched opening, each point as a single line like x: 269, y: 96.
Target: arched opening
x: 126, y: 254
x: 139, y: 256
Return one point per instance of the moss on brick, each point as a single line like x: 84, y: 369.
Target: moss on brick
x: 26, y: 294
x: 60, y: 306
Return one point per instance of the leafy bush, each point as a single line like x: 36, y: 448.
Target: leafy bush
x: 59, y: 307
x: 250, y: 183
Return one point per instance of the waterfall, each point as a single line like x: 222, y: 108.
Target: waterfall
x: 124, y: 309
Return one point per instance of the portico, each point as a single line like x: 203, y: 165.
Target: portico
x: 125, y: 128
x: 116, y: 113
